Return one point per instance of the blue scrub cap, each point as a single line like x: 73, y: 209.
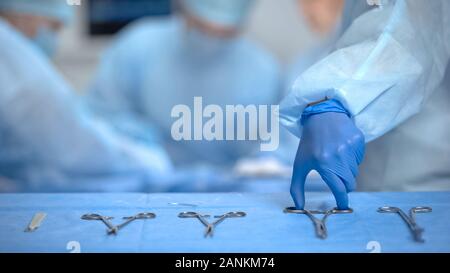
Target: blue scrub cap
x: 224, y: 12
x: 56, y: 9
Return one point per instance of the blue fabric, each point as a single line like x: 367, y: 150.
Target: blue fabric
x: 265, y: 229
x: 47, y: 40
x: 157, y: 64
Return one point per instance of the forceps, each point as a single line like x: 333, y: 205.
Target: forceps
x: 210, y: 226
x: 181, y: 204
x: 191, y: 214
x: 232, y: 214
x: 104, y: 219
x: 142, y: 215
x: 319, y: 225
x: 411, y: 220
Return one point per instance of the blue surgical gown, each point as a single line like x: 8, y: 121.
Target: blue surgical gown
x: 157, y: 64
x: 48, y: 140
x: 390, y: 68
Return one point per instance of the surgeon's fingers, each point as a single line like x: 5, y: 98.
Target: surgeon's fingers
x: 349, y: 165
x: 347, y: 169
x: 298, y: 184
x: 348, y: 179
x: 337, y: 186
x: 359, y: 149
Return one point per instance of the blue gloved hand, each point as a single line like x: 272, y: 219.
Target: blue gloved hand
x: 332, y: 145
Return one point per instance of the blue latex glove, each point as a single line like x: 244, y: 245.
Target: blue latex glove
x: 332, y: 145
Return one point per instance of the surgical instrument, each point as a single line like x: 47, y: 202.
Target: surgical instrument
x: 36, y: 221
x: 410, y: 220
x: 104, y: 219
x: 319, y: 225
x: 129, y: 219
x: 191, y: 214
x: 182, y: 204
x: 232, y: 214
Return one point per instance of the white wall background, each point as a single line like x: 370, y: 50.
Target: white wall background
x: 276, y: 24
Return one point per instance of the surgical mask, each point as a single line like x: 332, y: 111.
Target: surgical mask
x: 46, y: 39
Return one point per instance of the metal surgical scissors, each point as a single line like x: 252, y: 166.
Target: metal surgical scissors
x: 319, y: 224
x: 410, y: 220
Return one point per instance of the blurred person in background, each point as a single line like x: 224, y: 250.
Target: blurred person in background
x: 380, y: 89
x: 323, y: 19
x: 156, y: 64
x: 48, y: 140
x: 322, y: 16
